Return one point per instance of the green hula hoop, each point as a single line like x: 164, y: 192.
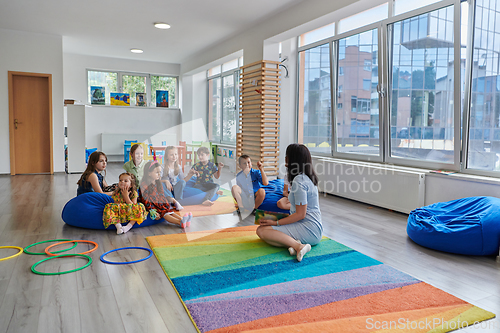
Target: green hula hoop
x: 47, y: 241
x: 59, y: 256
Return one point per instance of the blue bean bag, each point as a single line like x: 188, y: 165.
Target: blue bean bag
x: 193, y: 196
x: 465, y: 226
x: 274, y: 192
x: 85, y: 211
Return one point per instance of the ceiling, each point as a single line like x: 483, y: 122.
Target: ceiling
x: 110, y: 28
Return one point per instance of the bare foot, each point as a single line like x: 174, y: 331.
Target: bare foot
x: 219, y: 192
x: 207, y: 203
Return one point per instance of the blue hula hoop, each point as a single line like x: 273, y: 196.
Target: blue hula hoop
x: 125, y: 262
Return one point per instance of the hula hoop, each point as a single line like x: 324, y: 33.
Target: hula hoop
x: 60, y: 256
x: 126, y: 262
x: 14, y: 255
x: 76, y: 241
x: 48, y: 241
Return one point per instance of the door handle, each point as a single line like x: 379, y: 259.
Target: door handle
x: 16, y: 122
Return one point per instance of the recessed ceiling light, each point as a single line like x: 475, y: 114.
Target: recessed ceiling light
x: 161, y: 25
x: 136, y: 50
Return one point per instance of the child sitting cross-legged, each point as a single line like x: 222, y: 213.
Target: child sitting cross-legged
x: 153, y: 197
x: 247, y: 191
x: 125, y: 207
x: 204, y: 170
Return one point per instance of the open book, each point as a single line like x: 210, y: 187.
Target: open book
x: 264, y: 215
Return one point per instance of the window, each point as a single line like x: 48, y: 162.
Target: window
x: 108, y: 80
x: 167, y: 83
x: 368, y: 65
x: 317, y: 34
x: 358, y: 123
x: 132, y: 84
x: 403, y: 6
x: 421, y: 102
x: 223, y: 102
x: 314, y: 125
x: 369, y: 16
x: 484, y: 122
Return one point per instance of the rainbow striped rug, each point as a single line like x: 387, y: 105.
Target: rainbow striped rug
x: 231, y: 281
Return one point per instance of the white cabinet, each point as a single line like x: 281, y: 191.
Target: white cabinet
x: 76, y: 138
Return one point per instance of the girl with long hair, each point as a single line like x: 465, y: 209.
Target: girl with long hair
x: 92, y: 179
x: 303, y: 227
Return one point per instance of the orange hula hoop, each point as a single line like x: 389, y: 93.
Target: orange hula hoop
x: 73, y: 241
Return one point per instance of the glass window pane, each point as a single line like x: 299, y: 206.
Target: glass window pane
x: 358, y: 120
x: 164, y: 83
x: 230, y: 65
x: 214, y: 109
x: 421, y: 122
x: 102, y: 79
x: 403, y: 6
x: 214, y: 70
x: 229, y: 108
x: 369, y: 16
x: 484, y: 135
x: 132, y: 84
x: 317, y: 34
x: 315, y: 99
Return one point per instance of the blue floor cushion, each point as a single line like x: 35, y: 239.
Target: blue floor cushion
x: 465, y: 226
x: 194, y: 196
x: 86, y: 210
x: 274, y: 192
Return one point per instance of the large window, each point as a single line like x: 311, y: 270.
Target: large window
x: 133, y: 84
x: 484, y: 121
x: 314, y: 125
x: 223, y: 101
x: 357, y: 129
x: 421, y: 99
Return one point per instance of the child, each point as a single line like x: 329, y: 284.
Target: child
x: 152, y: 196
x: 204, y: 170
x: 284, y: 203
x: 136, y: 164
x: 247, y: 191
x: 91, y: 179
x: 173, y: 177
x: 125, y: 208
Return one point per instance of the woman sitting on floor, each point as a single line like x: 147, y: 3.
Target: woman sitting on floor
x: 303, y: 227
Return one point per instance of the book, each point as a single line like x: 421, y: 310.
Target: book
x: 162, y: 98
x: 140, y: 99
x: 97, y: 96
x: 265, y: 215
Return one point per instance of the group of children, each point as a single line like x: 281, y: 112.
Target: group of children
x: 149, y: 187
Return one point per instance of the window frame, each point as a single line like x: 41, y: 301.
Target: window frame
x: 236, y: 73
x: 119, y: 85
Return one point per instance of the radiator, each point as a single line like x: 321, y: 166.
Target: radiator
x: 397, y: 188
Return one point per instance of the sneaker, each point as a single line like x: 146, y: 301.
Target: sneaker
x: 184, y: 220
x: 190, y: 218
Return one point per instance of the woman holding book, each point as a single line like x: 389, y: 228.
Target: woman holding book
x: 303, y: 227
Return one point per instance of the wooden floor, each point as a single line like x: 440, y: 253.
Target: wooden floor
x: 139, y: 298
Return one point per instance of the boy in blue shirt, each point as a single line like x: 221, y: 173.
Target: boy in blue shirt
x: 247, y: 191
x: 204, y: 170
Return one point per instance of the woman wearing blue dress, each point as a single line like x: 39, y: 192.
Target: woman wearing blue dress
x: 303, y: 227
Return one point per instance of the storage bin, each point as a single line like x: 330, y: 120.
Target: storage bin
x: 126, y: 149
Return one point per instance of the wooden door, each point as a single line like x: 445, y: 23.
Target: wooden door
x: 30, y: 123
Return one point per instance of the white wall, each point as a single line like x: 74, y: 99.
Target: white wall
x: 194, y: 107
x: 37, y: 53
x: 115, y: 119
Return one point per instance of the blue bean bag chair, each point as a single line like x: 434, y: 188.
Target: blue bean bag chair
x: 193, y: 196
x: 274, y: 192
x: 85, y: 211
x: 465, y: 226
